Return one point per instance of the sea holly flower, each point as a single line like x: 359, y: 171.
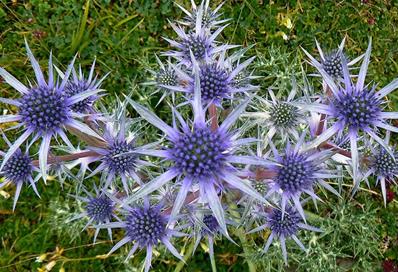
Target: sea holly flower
x: 200, y: 155
x: 119, y: 156
x: 356, y: 108
x: 284, y: 226
x: 298, y: 172
x: 162, y: 78
x: 197, y: 42
x: 281, y: 117
x: 43, y: 110
x: 210, y: 18
x: 144, y: 226
x: 332, y: 62
x: 80, y: 84
x: 19, y: 170
x: 99, y: 208
x: 218, y: 79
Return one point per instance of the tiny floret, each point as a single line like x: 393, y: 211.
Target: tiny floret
x: 146, y: 226
x: 333, y: 64
x: 284, y: 225
x: 100, y: 209
x: 284, y: 115
x: 116, y: 159
x: 18, y: 168
x: 385, y: 165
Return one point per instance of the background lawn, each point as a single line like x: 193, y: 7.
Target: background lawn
x: 360, y: 234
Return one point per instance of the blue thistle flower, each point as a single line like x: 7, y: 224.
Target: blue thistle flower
x: 19, y: 171
x: 118, y: 155
x: 43, y: 110
x: 200, y: 155
x: 298, y: 172
x: 210, y: 18
x: 197, y: 42
x: 332, y: 62
x: 99, y: 208
x: 144, y: 226
x: 356, y: 108
x: 79, y: 84
x: 284, y: 226
x: 217, y: 79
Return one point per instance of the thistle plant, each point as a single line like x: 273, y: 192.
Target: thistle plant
x: 230, y: 159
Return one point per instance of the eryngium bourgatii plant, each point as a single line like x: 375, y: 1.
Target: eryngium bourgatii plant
x: 200, y: 178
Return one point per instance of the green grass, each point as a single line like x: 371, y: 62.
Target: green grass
x: 359, y: 234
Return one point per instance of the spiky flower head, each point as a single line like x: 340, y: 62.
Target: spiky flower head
x: 200, y: 155
x: 118, y: 154
x: 197, y: 42
x: 43, y: 110
x: 217, y: 79
x: 299, y: 172
x: 210, y: 18
x: 284, y: 226
x: 354, y: 108
x: 332, y: 62
x: 144, y: 226
x: 19, y: 171
x: 80, y: 84
x: 99, y: 208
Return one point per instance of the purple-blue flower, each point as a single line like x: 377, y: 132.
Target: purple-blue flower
x: 218, y: 79
x: 144, y: 226
x: 19, y: 171
x: 43, y: 110
x: 356, y: 109
x: 200, y: 155
x: 284, y: 226
x: 298, y: 172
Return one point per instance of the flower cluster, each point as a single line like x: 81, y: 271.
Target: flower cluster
x: 206, y: 171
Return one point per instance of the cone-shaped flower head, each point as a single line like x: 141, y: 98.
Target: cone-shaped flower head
x: 43, y: 109
x: 284, y: 226
x: 354, y: 108
x: 19, y: 170
x: 145, y: 227
x: 200, y: 155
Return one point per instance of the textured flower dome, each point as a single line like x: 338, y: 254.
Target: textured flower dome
x: 100, y: 209
x: 213, y: 82
x: 333, y: 65
x: 287, y: 226
x: 284, y: 115
x: 260, y: 187
x: 146, y: 226
x: 72, y: 88
x: 43, y: 110
x: 120, y: 163
x: 211, y: 223
x: 357, y: 109
x: 200, y: 153
x: 198, y: 45
x: 166, y: 77
x: 18, y: 168
x: 295, y: 173
x: 385, y: 165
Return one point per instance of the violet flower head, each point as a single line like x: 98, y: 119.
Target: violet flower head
x: 99, y: 208
x: 197, y: 42
x: 299, y: 172
x: 354, y: 108
x: 19, y: 171
x: 80, y: 84
x: 119, y: 156
x: 218, y: 79
x: 200, y: 155
x: 332, y: 62
x: 144, y: 226
x: 210, y: 17
x: 284, y: 226
x: 43, y: 110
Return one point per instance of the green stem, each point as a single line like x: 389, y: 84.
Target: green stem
x: 187, y: 255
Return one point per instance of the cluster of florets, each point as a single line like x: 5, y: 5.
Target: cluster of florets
x: 202, y: 174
